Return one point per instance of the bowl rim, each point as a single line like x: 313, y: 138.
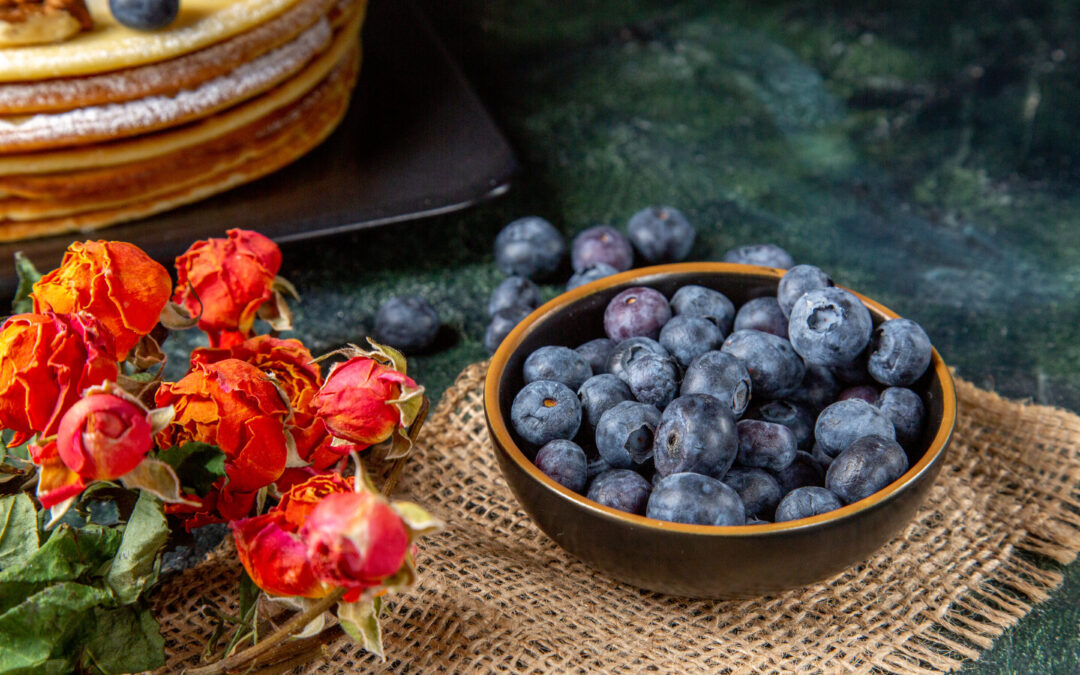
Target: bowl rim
x: 505, y: 441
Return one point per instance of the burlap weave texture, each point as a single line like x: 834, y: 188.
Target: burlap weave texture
x: 496, y: 595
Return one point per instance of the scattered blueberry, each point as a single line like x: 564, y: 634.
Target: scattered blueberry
x: 688, y: 337
x: 762, y: 314
x: 768, y: 255
x: 759, y: 491
x: 795, y: 416
x: 721, y: 375
x: 765, y: 445
x: 661, y: 234
x: 829, y: 326
x: 408, y: 323
x: 844, y: 422
x: 625, y: 433
x: 899, y: 353
x: 544, y: 411
x: 704, y: 302
x: 802, y: 472
x: 905, y: 410
x: 530, y: 247
x: 695, y: 499
x: 798, y: 281
x: 145, y: 14
x: 621, y: 489
x: 560, y: 364
x: 637, y: 311
x: 864, y: 467
x: 697, y: 433
x: 604, y: 245
x: 501, y: 324
x: 653, y: 379
x: 864, y: 392
x: 773, y: 365
x: 597, y: 352
x: 599, y: 394
x: 590, y: 274
x: 514, y: 291
x: 631, y: 349
x: 805, y: 502
x: 564, y: 462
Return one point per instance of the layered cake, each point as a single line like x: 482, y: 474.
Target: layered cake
x: 108, y: 124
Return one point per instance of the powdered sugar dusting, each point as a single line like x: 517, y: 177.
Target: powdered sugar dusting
x: 104, y: 50
x: 162, y: 78
x: 155, y: 112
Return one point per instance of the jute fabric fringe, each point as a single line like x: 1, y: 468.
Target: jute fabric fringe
x: 496, y: 595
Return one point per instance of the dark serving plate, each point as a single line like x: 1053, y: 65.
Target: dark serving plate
x: 694, y: 560
x: 415, y: 142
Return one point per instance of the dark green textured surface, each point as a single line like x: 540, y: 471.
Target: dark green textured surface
x: 926, y: 154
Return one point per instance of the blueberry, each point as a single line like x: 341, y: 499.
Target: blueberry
x: 696, y: 500
x: 759, y: 491
x: 530, y: 247
x: 905, y: 410
x: 635, y: 312
x: 820, y: 458
x: 864, y: 467
x: 829, y: 326
x: 501, y: 324
x: 653, y: 379
x: 144, y: 14
x: 408, y: 323
x: 621, y: 489
x: 721, y: 375
x: 661, y: 234
x: 564, y: 462
x: 793, y: 415
x: 544, y: 411
x: 597, y: 467
x: 688, y: 337
x: 630, y: 349
x: 805, y: 502
x: 863, y: 392
x: 899, y: 353
x: 560, y: 364
x: 514, y: 291
x: 590, y: 274
x: 803, y: 471
x: 854, y: 371
x: 798, y: 281
x: 844, y: 422
x: 765, y: 445
x: 697, y: 433
x: 768, y: 255
x: 597, y: 352
x: 773, y: 365
x: 762, y: 314
x: 819, y: 388
x: 604, y: 245
x: 704, y: 302
x: 599, y: 394
x: 625, y: 433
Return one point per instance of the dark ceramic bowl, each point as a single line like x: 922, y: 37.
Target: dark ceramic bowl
x: 696, y: 560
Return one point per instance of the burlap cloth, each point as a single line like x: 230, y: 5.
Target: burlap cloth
x: 496, y: 595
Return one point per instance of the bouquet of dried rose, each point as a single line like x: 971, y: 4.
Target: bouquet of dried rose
x: 106, y: 463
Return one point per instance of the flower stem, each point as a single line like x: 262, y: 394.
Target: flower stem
x: 290, y: 627
x: 399, y: 463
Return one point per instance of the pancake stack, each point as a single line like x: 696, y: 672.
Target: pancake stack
x: 115, y: 124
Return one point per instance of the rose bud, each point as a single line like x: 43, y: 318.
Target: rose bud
x: 355, y: 540
x: 275, y: 557
x: 359, y: 402
x: 103, y: 437
x: 115, y: 281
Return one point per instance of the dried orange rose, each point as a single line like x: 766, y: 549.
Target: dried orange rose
x: 224, y: 281
x: 113, y: 280
x: 237, y: 407
x: 46, y: 361
x: 291, y: 365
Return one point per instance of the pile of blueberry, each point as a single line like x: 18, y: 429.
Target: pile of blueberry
x: 694, y: 411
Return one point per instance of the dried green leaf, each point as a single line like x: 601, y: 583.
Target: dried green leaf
x: 38, y: 633
x: 28, y: 276
x: 157, y: 478
x: 136, y: 564
x: 122, y: 640
x: 361, y: 621
x: 197, y: 465
x: 18, y: 529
